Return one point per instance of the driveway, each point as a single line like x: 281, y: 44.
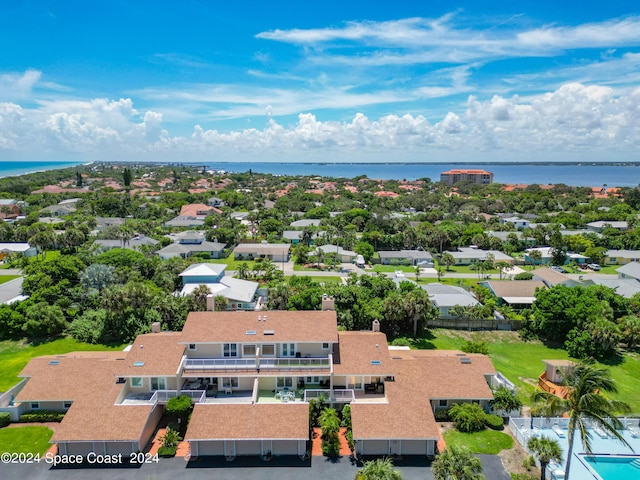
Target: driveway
x: 318, y: 468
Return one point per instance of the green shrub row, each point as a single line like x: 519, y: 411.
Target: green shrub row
x: 166, y: 452
x: 42, y: 416
x: 5, y: 419
x: 494, y: 422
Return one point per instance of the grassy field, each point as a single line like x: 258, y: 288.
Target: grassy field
x: 230, y: 262
x: 323, y: 279
x: 8, y: 278
x: 51, y: 254
x: 392, y: 268
x: 521, y: 362
x: 15, y: 355
x: 490, y: 442
x: 25, y: 440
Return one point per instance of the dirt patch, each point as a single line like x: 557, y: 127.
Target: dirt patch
x: 513, y: 459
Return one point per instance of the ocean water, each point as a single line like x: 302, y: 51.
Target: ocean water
x: 10, y: 169
x: 570, y: 174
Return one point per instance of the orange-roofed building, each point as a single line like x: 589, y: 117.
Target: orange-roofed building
x: 481, y: 177
x: 386, y: 194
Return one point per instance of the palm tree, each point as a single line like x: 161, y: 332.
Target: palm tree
x: 585, y: 404
x: 547, y: 450
x: 447, y: 259
x: 418, y: 272
x: 502, y: 266
x: 457, y: 463
x: 378, y: 469
x: 535, y: 256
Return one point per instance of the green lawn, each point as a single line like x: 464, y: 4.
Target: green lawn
x: 230, y: 262
x: 15, y: 355
x: 51, y: 254
x: 490, y: 442
x: 521, y: 362
x: 25, y: 440
x: 323, y: 279
x: 7, y: 278
x: 457, y: 282
x: 392, y: 268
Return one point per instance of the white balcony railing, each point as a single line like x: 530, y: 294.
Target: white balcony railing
x: 219, y: 363
x: 295, y: 363
x: 163, y: 396
x: 342, y: 396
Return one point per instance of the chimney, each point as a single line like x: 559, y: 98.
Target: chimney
x: 155, y: 327
x: 375, y: 327
x: 328, y: 303
x: 210, y: 303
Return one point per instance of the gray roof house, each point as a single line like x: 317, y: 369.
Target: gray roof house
x: 184, y: 221
x: 307, y: 222
x: 58, y: 210
x: 627, y: 287
x: 630, y: 270
x: 295, y: 236
x: 278, y: 252
x: 191, y: 243
x: 408, y: 257
x: 467, y: 256
x: 343, y: 255
x: 622, y: 257
x: 602, y: 224
x: 132, y: 244
x: 241, y: 294
x: 445, y: 297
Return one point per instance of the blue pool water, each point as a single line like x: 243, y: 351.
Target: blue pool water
x: 615, y: 468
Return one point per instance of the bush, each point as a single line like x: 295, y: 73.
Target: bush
x: 523, y: 276
x: 494, y: 422
x: 469, y: 417
x: 442, y: 416
x: 401, y: 342
x: 5, y: 419
x: 167, y: 452
x: 171, y: 438
x: 41, y: 416
x: 479, y: 346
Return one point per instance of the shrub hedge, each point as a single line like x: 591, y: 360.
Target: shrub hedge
x: 5, y: 419
x: 494, y: 422
x: 167, y: 452
x: 41, y: 416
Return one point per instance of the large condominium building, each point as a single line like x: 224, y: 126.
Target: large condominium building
x: 481, y: 177
x: 251, y: 376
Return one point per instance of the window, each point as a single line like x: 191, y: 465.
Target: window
x: 312, y: 380
x: 249, y: 350
x: 230, y: 350
x: 288, y: 349
x: 66, y: 405
x: 229, y: 382
x: 325, y: 346
x: 442, y: 403
x: 192, y: 346
x: 158, y: 383
x: 35, y: 405
x: 136, y: 382
x: 268, y: 350
x: 284, y: 382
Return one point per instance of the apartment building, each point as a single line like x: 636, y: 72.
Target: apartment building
x: 481, y: 177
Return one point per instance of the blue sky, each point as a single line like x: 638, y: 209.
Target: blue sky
x: 294, y: 81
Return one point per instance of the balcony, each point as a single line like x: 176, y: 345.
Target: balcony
x: 213, y: 364
x: 287, y: 364
x: 337, y: 396
x: 161, y: 397
x: 548, y: 386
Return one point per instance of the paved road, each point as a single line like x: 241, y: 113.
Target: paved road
x: 319, y: 468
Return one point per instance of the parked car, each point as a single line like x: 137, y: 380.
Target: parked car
x: 583, y: 266
x: 594, y: 266
x: 399, y: 274
x: 558, y: 269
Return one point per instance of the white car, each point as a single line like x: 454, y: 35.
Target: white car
x: 594, y: 266
x: 399, y: 274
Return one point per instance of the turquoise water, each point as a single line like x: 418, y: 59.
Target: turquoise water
x: 9, y: 169
x: 615, y: 468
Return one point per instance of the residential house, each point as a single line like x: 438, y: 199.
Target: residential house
x: 342, y: 255
x: 600, y: 225
x: 58, y: 210
x: 405, y: 257
x: 445, y: 297
x: 305, y: 222
x: 241, y: 294
x: 107, y: 222
x: 9, y: 208
x: 192, y: 243
x: 469, y: 256
x: 199, y: 211
x: 517, y: 294
x: 551, y: 278
x: 622, y: 257
x: 251, y: 376
x: 630, y: 270
x: 519, y: 223
x: 278, y: 252
x: 134, y: 243
x: 216, y: 202
x: 626, y: 287
x: 295, y: 236
x: 184, y: 221
x: 546, y: 255
x: 20, y: 248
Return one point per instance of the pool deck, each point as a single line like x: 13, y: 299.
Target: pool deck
x: 555, y: 429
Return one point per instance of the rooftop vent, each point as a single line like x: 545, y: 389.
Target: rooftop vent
x: 465, y: 360
x: 250, y: 332
x: 376, y: 362
x: 269, y: 332
x: 138, y: 364
x: 54, y: 362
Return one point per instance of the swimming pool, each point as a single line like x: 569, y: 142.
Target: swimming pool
x: 612, y: 467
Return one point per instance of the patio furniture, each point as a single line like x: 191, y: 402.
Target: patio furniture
x: 228, y: 391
